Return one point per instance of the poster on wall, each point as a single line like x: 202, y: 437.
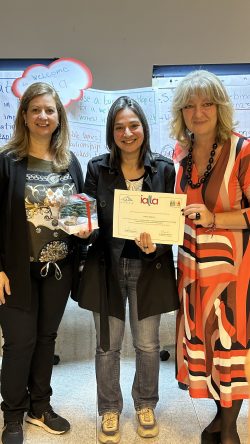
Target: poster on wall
x: 86, y: 108
x: 87, y: 111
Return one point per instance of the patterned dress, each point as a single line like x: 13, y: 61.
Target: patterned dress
x: 213, y: 324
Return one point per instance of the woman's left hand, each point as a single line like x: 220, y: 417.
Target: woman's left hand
x: 145, y: 243
x: 199, y: 214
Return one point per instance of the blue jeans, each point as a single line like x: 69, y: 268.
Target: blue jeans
x: 146, y: 342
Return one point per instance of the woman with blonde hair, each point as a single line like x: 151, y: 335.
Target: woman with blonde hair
x: 37, y: 171
x: 213, y: 328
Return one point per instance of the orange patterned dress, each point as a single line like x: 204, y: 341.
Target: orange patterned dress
x: 213, y: 323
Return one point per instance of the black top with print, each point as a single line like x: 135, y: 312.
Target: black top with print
x: 45, y: 191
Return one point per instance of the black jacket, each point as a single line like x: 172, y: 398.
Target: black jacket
x: 14, y: 239
x: 99, y: 288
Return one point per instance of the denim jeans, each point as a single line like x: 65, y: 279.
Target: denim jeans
x: 146, y: 342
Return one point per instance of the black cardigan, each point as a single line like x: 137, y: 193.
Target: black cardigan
x: 14, y: 240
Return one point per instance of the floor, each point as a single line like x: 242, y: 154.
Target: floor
x: 180, y: 418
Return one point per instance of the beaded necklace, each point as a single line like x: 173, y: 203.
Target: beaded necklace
x: 190, y: 165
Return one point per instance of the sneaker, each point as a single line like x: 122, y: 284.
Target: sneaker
x: 147, y: 427
x: 49, y: 421
x: 109, y: 432
x: 12, y: 433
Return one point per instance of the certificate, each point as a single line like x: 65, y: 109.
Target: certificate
x: 158, y: 214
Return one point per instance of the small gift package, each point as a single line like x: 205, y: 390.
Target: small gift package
x: 78, y: 213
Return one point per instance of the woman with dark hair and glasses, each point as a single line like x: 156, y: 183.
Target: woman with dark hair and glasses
x: 138, y: 271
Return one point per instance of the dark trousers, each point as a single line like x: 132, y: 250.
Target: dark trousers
x: 29, y: 344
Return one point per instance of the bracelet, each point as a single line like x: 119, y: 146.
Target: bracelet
x: 212, y: 226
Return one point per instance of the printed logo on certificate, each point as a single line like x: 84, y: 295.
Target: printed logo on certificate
x: 158, y: 214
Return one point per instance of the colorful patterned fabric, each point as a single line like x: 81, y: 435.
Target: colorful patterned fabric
x: 213, y: 324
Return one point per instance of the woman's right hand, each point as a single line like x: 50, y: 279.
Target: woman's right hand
x: 84, y: 234
x: 4, y: 287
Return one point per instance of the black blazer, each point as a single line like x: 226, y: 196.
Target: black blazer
x: 99, y: 287
x: 14, y: 240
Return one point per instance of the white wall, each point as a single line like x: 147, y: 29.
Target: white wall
x: 120, y: 40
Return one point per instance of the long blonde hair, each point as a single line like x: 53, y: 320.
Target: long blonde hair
x: 59, y: 144
x: 204, y: 84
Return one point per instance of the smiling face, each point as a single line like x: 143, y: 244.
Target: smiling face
x: 128, y: 132
x: 200, y: 116
x: 41, y: 117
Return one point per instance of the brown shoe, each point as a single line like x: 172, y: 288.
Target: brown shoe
x: 148, y: 427
x: 109, y: 432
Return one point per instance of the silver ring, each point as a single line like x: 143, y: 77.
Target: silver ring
x: 197, y: 216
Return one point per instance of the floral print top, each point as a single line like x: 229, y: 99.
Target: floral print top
x: 45, y: 191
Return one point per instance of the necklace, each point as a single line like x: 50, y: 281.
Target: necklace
x: 190, y: 165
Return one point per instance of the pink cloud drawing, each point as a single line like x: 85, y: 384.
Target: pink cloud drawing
x: 68, y: 76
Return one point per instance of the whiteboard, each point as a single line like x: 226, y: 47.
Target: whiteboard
x: 235, y: 77
x: 87, y: 117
